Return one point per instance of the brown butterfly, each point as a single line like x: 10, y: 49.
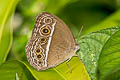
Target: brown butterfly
x: 51, y: 42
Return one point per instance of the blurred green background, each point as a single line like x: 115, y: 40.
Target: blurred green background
x: 93, y: 15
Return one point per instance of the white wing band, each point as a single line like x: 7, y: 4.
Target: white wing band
x: 49, y: 41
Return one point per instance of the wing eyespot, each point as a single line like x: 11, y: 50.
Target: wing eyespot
x: 40, y: 62
x: 39, y: 50
x: 45, y: 30
x: 47, y: 20
x: 39, y: 53
x: 39, y: 56
x: 43, y: 40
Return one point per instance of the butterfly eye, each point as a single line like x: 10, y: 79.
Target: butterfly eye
x: 45, y: 30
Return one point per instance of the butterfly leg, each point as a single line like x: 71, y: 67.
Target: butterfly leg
x: 69, y: 65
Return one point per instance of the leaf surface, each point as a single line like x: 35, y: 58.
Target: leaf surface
x: 109, y: 60
x: 61, y: 72
x: 91, y: 46
x: 10, y: 69
x: 7, y: 8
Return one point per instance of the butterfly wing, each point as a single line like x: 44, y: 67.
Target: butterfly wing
x: 62, y: 45
x: 38, y: 46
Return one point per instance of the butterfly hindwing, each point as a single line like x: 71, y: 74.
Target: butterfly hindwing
x: 62, y: 46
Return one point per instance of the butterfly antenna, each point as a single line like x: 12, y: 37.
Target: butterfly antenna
x: 78, y: 43
x: 80, y: 31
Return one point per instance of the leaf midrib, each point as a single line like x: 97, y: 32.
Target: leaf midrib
x: 106, y: 43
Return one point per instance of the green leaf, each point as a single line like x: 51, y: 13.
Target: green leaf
x: 7, y: 8
x: 17, y: 77
x: 109, y: 60
x: 91, y: 46
x: 9, y: 69
x: 112, y: 20
x: 61, y: 72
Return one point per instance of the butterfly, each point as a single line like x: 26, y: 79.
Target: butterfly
x: 51, y: 42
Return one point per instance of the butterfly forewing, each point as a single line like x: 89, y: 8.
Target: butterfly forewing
x: 38, y: 46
